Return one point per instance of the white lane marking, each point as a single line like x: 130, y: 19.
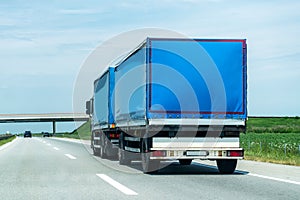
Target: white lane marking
x: 117, y: 185
x: 274, y: 179
x: 70, y: 156
x: 256, y: 175
x: 44, y: 142
x: 56, y: 148
x: 48, y: 144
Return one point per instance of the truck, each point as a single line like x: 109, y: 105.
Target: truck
x: 173, y: 99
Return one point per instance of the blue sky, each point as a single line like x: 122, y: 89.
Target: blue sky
x: 43, y: 45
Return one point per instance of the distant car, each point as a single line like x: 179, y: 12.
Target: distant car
x: 46, y: 134
x: 27, y: 134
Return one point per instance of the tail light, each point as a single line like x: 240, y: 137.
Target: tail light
x: 239, y: 153
x: 114, y: 136
x: 158, y: 153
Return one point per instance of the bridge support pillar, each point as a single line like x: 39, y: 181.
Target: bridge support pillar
x: 53, y: 127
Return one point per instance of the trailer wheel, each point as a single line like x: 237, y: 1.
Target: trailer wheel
x: 102, y: 153
x: 96, y: 151
x: 102, y: 144
x: 149, y: 166
x: 226, y: 166
x: 123, y: 158
x: 185, y: 161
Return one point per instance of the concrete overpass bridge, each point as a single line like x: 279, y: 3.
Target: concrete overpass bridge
x: 47, y: 117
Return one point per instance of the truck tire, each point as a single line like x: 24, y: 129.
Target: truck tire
x: 102, y: 154
x: 226, y: 166
x: 96, y: 151
x: 123, y: 158
x: 102, y: 144
x: 148, y: 165
x: 185, y: 161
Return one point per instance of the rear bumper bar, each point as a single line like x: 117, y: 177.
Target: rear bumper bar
x: 203, y: 154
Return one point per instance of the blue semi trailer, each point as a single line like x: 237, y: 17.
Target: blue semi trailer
x: 173, y: 99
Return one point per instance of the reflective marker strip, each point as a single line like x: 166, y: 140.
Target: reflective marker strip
x: 70, y: 156
x: 117, y: 185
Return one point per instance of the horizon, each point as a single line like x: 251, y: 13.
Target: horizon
x: 44, y: 46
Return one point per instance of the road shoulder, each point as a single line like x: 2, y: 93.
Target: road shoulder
x: 8, y: 144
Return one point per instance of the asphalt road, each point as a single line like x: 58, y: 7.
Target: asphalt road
x: 47, y: 168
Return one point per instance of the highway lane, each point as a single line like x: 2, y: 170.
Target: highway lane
x: 46, y: 168
x: 31, y: 169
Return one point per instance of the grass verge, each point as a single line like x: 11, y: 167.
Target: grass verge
x: 83, y: 132
x: 282, y: 148
x: 2, y: 142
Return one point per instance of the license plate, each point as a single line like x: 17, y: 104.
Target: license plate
x: 196, y: 153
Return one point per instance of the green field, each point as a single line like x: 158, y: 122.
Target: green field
x: 274, y: 125
x: 274, y: 140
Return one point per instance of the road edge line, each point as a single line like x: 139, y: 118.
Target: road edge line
x: 274, y: 179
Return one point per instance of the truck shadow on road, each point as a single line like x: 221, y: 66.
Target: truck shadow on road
x: 194, y: 169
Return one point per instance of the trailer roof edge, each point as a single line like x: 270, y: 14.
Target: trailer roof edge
x: 140, y: 46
